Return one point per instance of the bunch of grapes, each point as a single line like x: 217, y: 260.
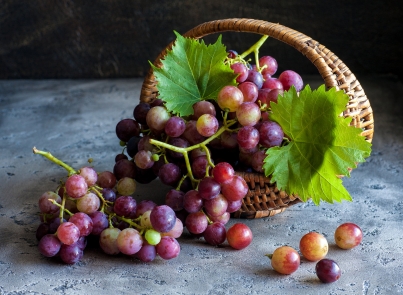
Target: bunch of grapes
x: 198, y: 155
x: 95, y: 204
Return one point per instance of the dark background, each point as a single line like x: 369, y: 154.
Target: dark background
x: 110, y: 39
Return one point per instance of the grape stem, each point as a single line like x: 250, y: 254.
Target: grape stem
x: 255, y: 49
x: 184, y: 151
x: 99, y: 194
x: 61, y: 206
x: 55, y: 160
x: 129, y: 221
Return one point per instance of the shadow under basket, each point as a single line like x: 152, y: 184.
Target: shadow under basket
x: 264, y: 199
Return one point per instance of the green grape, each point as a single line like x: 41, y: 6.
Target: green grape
x: 152, y: 237
x: 126, y: 186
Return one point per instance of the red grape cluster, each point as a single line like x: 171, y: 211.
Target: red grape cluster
x: 88, y: 204
x: 314, y: 247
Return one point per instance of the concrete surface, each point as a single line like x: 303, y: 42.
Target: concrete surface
x: 75, y: 120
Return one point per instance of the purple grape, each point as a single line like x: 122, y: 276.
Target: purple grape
x: 249, y: 90
x: 263, y: 95
x: 186, y: 185
x: 124, y: 168
x: 90, y: 175
x: 290, y: 78
x: 143, y: 159
x: 175, y: 126
x: 119, y: 157
x: 270, y: 63
x: 241, y: 70
x: 157, y: 102
x: 199, y: 166
x: 76, y: 186
x: 54, y: 224
x: 216, y: 206
x: 147, y: 253
x: 215, y: 233
x: 46, y: 206
x: 106, y: 179
x: 178, y: 142
x: 192, y: 202
x: 196, y: 223
x: 228, y: 140
x: 327, y: 270
x: 257, y: 160
x: 125, y: 206
x: 109, y: 194
x: 174, y: 199
x: 222, y: 218
x: 144, y: 206
x: 203, y: 107
x: 99, y: 222
x: 272, y: 83
x: 49, y: 245
x: 168, y: 248
x: 271, y: 134
x: 170, y: 174
x: 208, y: 188
x: 42, y: 230
x: 232, y: 53
x: 140, y: 112
x: 255, y: 77
x: 71, y: 254
x: 162, y: 218
x: 126, y: 129
x: 83, y: 222
x: 234, y: 206
x: 248, y: 137
x: 82, y: 243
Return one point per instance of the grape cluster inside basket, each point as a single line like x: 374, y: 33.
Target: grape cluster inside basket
x: 265, y: 199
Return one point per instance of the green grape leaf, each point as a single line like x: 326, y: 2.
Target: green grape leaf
x: 322, y: 145
x: 192, y: 71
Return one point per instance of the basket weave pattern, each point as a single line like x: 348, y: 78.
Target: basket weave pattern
x: 263, y: 198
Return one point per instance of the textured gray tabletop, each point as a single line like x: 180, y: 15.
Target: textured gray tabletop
x: 75, y: 120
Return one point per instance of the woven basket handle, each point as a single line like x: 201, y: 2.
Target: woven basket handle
x: 333, y: 71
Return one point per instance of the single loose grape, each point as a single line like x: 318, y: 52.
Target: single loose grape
x: 313, y: 246
x: 328, y: 271
x: 285, y: 260
x: 348, y: 235
x: 239, y: 236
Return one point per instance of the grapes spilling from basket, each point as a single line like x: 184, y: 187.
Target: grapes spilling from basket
x: 197, y: 155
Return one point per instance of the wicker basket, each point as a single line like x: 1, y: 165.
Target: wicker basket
x: 265, y: 199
